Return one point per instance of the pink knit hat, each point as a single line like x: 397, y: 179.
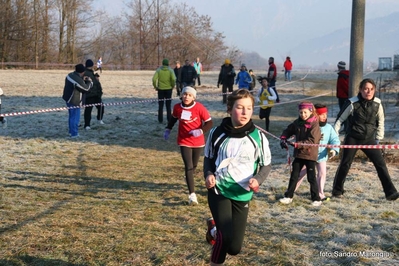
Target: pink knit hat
x: 305, y: 106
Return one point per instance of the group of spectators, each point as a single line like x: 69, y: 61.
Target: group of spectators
x: 83, y: 87
x: 165, y: 79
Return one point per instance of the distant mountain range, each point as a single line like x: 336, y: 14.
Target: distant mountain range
x: 381, y: 39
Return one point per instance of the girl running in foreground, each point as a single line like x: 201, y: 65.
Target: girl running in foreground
x: 237, y: 161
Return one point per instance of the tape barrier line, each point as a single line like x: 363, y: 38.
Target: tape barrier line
x: 57, y: 109
x: 377, y: 146
x: 298, y: 100
x: 343, y: 146
x: 72, y: 107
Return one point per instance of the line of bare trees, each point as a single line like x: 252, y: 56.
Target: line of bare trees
x: 44, y: 33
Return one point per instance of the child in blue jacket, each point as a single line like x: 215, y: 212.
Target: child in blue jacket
x: 243, y: 78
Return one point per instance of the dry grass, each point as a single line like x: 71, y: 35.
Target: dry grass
x: 117, y: 195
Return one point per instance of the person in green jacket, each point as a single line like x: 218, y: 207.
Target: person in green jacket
x: 164, y: 81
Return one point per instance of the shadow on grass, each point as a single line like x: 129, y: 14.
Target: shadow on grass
x: 92, y: 186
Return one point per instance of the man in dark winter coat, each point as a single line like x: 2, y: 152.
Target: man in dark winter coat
x: 179, y: 84
x: 93, y: 96
x: 188, y: 74
x: 226, y: 78
x: 76, y: 85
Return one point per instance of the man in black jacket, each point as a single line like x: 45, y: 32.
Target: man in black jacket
x: 76, y: 85
x: 188, y: 75
x: 226, y: 78
x: 93, y: 97
x: 179, y: 84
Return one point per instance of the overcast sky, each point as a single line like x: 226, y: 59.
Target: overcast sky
x: 274, y: 27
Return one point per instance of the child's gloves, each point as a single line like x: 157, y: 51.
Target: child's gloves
x: 331, y: 154
x: 196, y: 132
x: 166, y: 134
x: 283, y: 143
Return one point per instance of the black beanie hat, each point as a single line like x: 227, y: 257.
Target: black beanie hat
x: 80, y: 68
x: 89, y: 63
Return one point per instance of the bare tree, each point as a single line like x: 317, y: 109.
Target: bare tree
x: 140, y: 38
x: 74, y: 21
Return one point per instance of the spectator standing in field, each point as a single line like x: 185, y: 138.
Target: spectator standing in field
x: 237, y: 161
x: 365, y: 116
x: 243, y: 78
x: 188, y: 74
x: 179, y: 84
x: 266, y: 96
x: 198, y: 68
x: 100, y: 64
x: 328, y: 136
x: 272, y: 76
x: 76, y: 85
x: 194, y: 121
x: 342, y: 87
x: 164, y: 81
x: 287, y: 68
x: 93, y: 97
x: 253, y: 82
x: 306, y: 130
x: 100, y: 113
x: 226, y: 78
x: 3, y: 120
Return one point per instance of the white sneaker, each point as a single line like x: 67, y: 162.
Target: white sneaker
x: 316, y: 203
x: 192, y: 199
x: 87, y: 128
x: 100, y: 122
x: 4, y: 122
x: 286, y: 200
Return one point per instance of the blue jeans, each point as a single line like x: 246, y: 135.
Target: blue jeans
x: 288, y: 75
x: 73, y: 120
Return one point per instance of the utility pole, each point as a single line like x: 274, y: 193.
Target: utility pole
x: 158, y: 29
x: 356, y: 46
x: 141, y: 36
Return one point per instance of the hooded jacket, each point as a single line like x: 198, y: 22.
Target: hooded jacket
x: 75, y: 88
x: 243, y: 79
x: 164, y: 78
